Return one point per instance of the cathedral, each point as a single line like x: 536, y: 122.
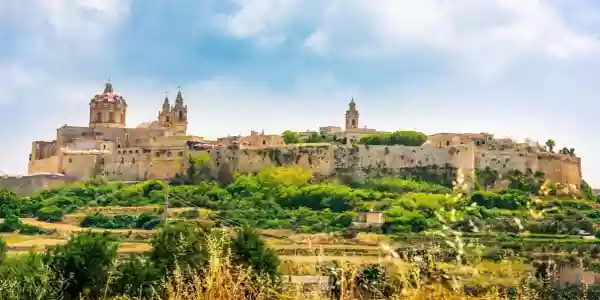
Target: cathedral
x: 106, y: 146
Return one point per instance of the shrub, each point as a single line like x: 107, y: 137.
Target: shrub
x: 82, y: 264
x: 249, y: 249
x: 2, y: 250
x: 179, y: 245
x: 50, y: 214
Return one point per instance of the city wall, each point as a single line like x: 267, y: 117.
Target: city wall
x: 325, y: 160
x: 27, y: 185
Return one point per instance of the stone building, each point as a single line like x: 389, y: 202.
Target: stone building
x: 159, y: 149
x: 352, y: 131
x: 107, y: 147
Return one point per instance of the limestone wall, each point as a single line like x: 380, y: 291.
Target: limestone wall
x: 27, y: 185
x: 327, y: 159
x: 558, y: 168
x: 81, y: 165
x: 505, y: 161
x: 125, y: 172
x: 561, y: 168
x: 44, y: 165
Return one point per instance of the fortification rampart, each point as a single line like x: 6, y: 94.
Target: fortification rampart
x: 326, y: 160
x: 27, y: 185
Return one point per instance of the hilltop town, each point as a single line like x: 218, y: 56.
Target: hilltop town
x: 106, y: 148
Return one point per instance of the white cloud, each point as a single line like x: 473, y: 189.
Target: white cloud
x: 486, y: 35
x: 262, y: 19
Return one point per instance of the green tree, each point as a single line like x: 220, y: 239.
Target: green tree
x: 199, y: 169
x: 9, y: 202
x: 249, y: 249
x: 2, y: 250
x: 136, y: 276
x: 278, y: 176
x: 401, y: 137
x: 291, y: 137
x: 550, y: 144
x: 181, y: 245
x: 50, y: 214
x: 82, y: 264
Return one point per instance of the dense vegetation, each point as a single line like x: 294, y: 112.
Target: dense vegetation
x: 526, y: 221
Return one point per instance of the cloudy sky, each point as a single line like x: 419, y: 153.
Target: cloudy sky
x: 516, y: 68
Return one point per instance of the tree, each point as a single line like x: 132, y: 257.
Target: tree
x: 9, y: 202
x: 550, y: 144
x: 136, y: 277
x: 572, y: 151
x: 2, y: 250
x: 50, y: 214
x: 180, y: 245
x: 406, y: 138
x: 292, y: 175
x: 82, y: 264
x: 199, y: 168
x: 290, y: 137
x: 249, y: 249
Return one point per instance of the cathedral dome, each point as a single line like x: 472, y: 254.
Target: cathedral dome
x: 109, y: 96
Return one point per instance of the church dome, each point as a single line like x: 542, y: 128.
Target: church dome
x: 109, y: 96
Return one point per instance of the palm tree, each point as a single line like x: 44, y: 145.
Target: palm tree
x: 572, y: 151
x: 550, y: 144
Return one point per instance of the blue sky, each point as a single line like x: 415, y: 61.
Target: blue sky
x: 516, y: 68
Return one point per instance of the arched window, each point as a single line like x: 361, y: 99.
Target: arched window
x: 99, y: 117
x: 122, y: 160
x: 133, y: 160
x: 353, y: 122
x: 168, y: 119
x: 180, y: 116
x: 111, y: 117
x: 447, y: 143
x: 264, y: 142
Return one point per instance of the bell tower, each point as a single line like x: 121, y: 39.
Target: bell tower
x: 174, y: 117
x: 352, y: 116
x: 108, y: 109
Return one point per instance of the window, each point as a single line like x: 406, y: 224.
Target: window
x: 98, y: 117
x: 447, y: 143
x: 70, y: 160
x: 180, y: 153
x: 137, y: 151
x: 111, y: 117
x: 353, y: 122
x: 180, y: 116
x: 168, y: 119
x: 118, y: 146
x: 122, y: 160
x: 104, y: 147
x: 130, y: 151
x: 157, y: 154
x: 264, y: 142
x: 169, y: 154
x: 133, y: 160
x: 118, y: 152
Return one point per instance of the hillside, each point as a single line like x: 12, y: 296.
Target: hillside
x: 308, y: 222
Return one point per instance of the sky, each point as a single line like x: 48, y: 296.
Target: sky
x: 514, y: 68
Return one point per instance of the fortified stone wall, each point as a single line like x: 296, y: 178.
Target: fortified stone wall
x: 27, y: 185
x: 561, y: 168
x: 505, y: 161
x: 325, y: 160
x: 44, y: 165
x: 558, y: 168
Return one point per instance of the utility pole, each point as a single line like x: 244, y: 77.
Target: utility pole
x: 166, y: 209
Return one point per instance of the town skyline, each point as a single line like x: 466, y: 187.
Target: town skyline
x: 243, y: 68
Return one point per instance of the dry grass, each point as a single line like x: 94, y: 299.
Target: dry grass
x: 68, y: 228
